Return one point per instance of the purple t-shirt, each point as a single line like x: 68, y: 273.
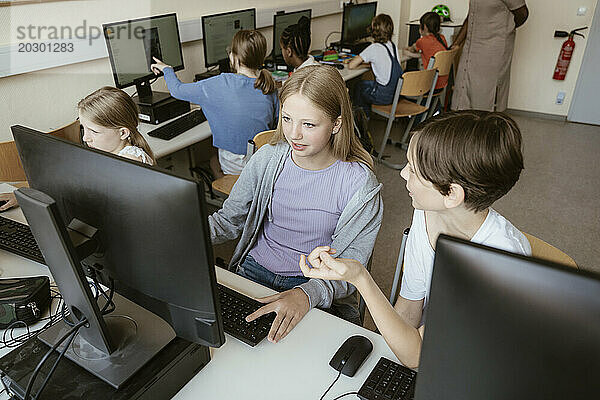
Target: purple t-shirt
x: 305, y: 210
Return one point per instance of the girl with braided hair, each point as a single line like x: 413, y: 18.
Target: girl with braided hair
x: 430, y: 43
x: 295, y: 43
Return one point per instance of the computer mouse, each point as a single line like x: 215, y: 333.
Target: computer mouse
x: 339, y: 66
x: 351, y: 354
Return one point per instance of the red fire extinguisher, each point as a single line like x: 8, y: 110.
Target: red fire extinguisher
x: 566, y: 52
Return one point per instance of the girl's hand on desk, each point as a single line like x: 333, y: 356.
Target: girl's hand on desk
x: 10, y: 199
x: 158, y: 66
x: 290, y: 307
x: 324, y: 266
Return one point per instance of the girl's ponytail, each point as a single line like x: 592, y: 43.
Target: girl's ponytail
x: 250, y: 48
x: 439, y: 38
x: 265, y: 82
x: 432, y: 21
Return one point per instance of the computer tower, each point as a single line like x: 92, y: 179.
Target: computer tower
x: 162, y: 111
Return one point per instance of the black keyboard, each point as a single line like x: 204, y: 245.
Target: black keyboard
x: 176, y: 127
x: 234, y: 309
x: 17, y: 238
x: 389, y: 381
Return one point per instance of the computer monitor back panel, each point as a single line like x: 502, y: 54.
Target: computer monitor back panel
x: 218, y: 31
x: 501, y: 326
x: 356, y: 20
x: 132, y: 44
x: 282, y: 21
x: 153, y: 224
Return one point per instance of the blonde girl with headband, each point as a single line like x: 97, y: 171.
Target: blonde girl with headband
x: 314, y: 184
x: 109, y: 119
x: 237, y: 105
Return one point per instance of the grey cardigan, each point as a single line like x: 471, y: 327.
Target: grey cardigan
x: 250, y: 202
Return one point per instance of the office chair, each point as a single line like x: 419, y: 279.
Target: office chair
x: 11, y: 169
x: 398, y: 272
x: 411, y: 84
x: 443, y: 62
x: 225, y: 184
x: 539, y: 249
x: 545, y: 251
x: 71, y: 132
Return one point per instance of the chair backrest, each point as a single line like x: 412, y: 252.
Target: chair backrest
x: 263, y: 138
x: 444, y: 61
x: 260, y: 139
x: 417, y: 83
x: 545, y: 251
x: 70, y: 132
x: 399, y: 266
x: 11, y: 169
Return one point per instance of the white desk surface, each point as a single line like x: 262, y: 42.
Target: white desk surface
x: 295, y: 368
x: 348, y: 74
x: 163, y: 148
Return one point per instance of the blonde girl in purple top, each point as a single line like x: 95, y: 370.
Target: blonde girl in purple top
x: 313, y: 184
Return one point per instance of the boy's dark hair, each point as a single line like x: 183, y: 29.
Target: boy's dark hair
x: 432, y: 21
x: 382, y: 28
x: 297, y: 37
x: 478, y: 150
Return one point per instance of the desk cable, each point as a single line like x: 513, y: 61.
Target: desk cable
x: 9, y: 340
x: 333, y: 383
x: 70, y: 335
x: 327, y: 37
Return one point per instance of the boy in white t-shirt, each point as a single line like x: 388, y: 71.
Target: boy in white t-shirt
x: 459, y: 164
x: 383, y: 59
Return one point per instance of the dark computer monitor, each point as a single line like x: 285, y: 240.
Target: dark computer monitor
x: 218, y: 31
x: 282, y: 21
x: 356, y: 21
x: 131, y: 45
x: 505, y: 326
x: 151, y: 238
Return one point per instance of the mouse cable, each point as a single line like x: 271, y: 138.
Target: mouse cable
x: 332, y: 383
x: 344, y: 395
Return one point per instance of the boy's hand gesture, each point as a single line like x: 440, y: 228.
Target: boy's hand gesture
x: 326, y: 267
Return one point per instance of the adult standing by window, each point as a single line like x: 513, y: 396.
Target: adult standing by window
x: 488, y: 35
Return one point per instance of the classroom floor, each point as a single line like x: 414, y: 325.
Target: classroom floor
x: 556, y: 198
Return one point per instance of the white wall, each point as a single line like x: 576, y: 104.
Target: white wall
x: 458, y: 8
x: 536, y: 51
x: 47, y: 99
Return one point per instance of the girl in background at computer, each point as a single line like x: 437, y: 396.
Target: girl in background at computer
x: 109, y: 119
x: 295, y: 43
x: 237, y: 105
x: 383, y: 57
x: 313, y: 184
x: 430, y: 42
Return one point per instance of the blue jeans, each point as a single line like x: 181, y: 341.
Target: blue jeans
x: 252, y: 270
x: 255, y: 272
x: 364, y: 96
x: 370, y: 92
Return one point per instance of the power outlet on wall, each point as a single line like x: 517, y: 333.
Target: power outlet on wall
x: 560, y: 97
